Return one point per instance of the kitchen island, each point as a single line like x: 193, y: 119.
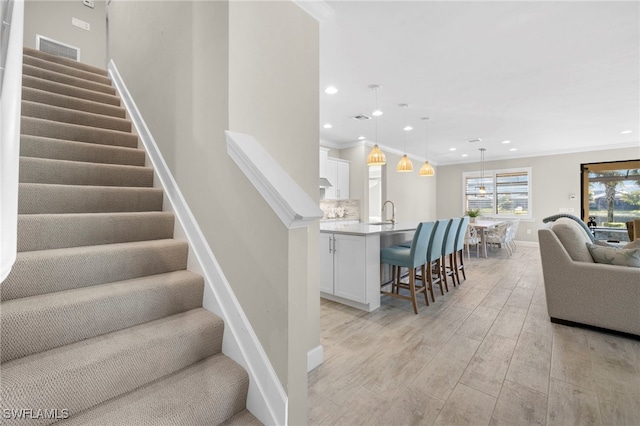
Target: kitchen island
x: 350, y: 260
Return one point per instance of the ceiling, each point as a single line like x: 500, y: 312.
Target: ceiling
x: 550, y: 77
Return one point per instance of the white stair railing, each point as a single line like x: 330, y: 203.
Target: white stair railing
x: 10, y: 100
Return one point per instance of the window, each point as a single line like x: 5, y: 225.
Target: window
x: 508, y: 192
x: 611, y: 197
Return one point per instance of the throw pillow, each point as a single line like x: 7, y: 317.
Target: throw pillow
x: 573, y: 238
x: 615, y: 256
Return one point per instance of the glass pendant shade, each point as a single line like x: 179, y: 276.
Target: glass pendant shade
x: 482, y: 190
x: 404, y: 165
x: 426, y: 169
x: 376, y: 157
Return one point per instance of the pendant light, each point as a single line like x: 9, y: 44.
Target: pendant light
x: 426, y: 169
x: 404, y: 165
x: 482, y: 190
x: 376, y: 157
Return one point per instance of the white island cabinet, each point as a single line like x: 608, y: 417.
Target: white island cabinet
x: 350, y: 263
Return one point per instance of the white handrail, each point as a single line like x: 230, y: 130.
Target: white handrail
x: 294, y: 207
x: 10, y: 101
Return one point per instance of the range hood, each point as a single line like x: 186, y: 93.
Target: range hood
x: 324, y: 183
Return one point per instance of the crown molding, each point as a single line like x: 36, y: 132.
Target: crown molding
x: 318, y: 9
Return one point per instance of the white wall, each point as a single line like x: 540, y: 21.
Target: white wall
x: 52, y: 19
x: 196, y: 69
x: 554, y: 178
x: 413, y: 195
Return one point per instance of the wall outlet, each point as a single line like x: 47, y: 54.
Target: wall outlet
x: 528, y: 231
x: 80, y: 24
x: 88, y: 3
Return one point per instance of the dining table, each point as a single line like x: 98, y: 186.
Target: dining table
x: 484, y: 226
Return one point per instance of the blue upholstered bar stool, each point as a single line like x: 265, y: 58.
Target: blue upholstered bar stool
x: 448, y: 250
x: 458, y: 256
x: 434, y: 256
x: 409, y: 257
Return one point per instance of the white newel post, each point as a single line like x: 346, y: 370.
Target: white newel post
x: 10, y: 96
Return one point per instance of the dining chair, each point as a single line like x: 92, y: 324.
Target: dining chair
x: 472, y: 239
x: 448, y: 250
x: 412, y: 258
x: 499, y: 235
x: 511, y: 240
x: 458, y: 256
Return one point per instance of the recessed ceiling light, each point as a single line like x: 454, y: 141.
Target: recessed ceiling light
x: 331, y: 90
x: 506, y: 141
x: 465, y: 155
x: 452, y: 149
x: 377, y: 113
x: 361, y: 138
x: 408, y: 128
x: 327, y: 126
x: 626, y: 132
x: 513, y: 149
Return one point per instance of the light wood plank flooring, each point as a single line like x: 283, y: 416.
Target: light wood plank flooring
x: 485, y: 353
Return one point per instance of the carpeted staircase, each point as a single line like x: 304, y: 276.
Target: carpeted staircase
x: 100, y: 320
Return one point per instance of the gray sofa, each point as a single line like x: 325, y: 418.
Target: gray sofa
x: 581, y: 291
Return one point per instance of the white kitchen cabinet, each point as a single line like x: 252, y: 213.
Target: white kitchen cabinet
x: 346, y: 274
x: 324, y: 155
x: 337, y: 172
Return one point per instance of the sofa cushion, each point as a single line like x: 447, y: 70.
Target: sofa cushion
x: 573, y: 238
x: 615, y: 256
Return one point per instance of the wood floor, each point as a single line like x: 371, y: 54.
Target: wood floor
x: 485, y: 353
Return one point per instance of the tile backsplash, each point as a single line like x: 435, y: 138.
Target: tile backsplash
x: 340, y: 209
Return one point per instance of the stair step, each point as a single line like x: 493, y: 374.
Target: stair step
x: 70, y: 102
x: 67, y: 90
x: 67, y: 317
x: 65, y: 69
x: 205, y: 393
x: 64, y: 61
x: 38, y: 198
x: 48, y: 271
x: 75, y: 132
x: 67, y: 79
x: 64, y: 172
x: 53, y: 231
x: 87, y: 373
x: 73, y: 116
x: 58, y: 149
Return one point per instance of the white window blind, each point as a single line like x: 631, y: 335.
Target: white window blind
x: 508, y: 192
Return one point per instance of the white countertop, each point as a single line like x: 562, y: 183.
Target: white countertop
x: 366, y: 228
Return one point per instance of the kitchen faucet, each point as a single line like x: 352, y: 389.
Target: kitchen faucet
x: 393, y: 211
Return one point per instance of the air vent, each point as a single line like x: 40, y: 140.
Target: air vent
x: 361, y: 117
x: 474, y: 140
x: 57, y: 48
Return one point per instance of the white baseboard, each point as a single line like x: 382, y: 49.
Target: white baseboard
x: 527, y: 243
x: 314, y: 357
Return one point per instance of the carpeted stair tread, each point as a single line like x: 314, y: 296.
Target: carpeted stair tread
x: 206, y: 393
x: 65, y: 172
x: 65, y: 69
x: 48, y: 271
x: 53, y: 231
x: 243, y: 418
x: 64, y: 61
x: 38, y: 198
x: 67, y: 79
x: 57, y: 319
x: 67, y: 90
x: 82, y: 375
x: 59, y: 149
x: 75, y: 132
x: 70, y: 102
x: 73, y: 116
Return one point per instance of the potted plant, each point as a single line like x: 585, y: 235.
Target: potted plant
x: 473, y: 214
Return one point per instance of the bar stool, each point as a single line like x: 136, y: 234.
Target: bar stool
x: 409, y: 257
x: 458, y: 256
x: 434, y: 256
x: 448, y: 250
